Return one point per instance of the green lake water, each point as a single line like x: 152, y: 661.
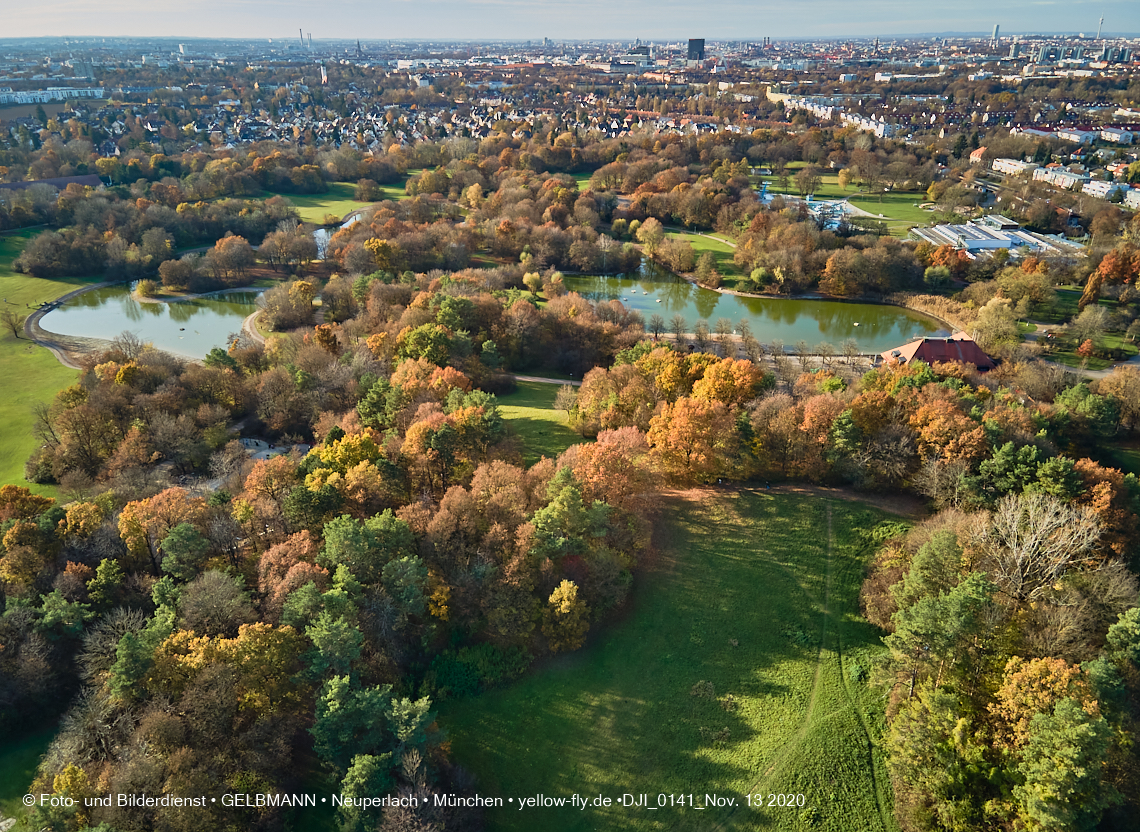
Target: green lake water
x: 186, y: 327
x: 653, y: 290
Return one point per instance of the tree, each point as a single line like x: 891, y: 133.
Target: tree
x: 693, y: 440
x: 1090, y: 324
x: 657, y: 326
x: 350, y: 721
x: 651, y: 234
x: 143, y: 524
x: 1032, y: 540
x: 808, y: 180
x: 533, y: 281
x: 214, y: 604
x: 13, y: 321
x: 1035, y: 687
x: 566, y: 620
x: 185, y: 549
x: 938, y: 634
x: 337, y: 643
x: 1063, y: 769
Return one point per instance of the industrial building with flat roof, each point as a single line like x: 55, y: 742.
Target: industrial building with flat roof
x: 974, y: 237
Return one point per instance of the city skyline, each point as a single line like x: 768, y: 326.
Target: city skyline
x: 670, y: 20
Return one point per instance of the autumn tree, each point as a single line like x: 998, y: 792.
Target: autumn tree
x: 566, y: 620
x: 144, y: 524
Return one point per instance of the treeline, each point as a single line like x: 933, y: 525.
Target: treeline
x: 127, y: 239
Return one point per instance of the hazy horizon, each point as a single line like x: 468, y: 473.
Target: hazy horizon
x: 469, y: 20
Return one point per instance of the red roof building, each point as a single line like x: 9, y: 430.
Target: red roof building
x: 958, y: 347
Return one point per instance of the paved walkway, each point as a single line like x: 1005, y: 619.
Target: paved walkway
x: 541, y: 380
x: 60, y: 345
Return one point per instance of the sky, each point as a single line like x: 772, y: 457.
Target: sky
x: 651, y: 20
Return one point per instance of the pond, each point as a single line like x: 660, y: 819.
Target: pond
x: 189, y: 328
x: 654, y: 290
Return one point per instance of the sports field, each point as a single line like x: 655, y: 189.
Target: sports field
x: 739, y: 669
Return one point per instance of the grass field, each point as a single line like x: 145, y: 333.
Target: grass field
x: 1066, y: 307
x: 900, y: 210
x: 720, y: 249
x: 828, y: 187
x: 530, y: 415
x: 18, y: 761
x: 28, y: 374
x: 754, y: 595
x: 1126, y: 457
x: 314, y: 207
x: 339, y: 199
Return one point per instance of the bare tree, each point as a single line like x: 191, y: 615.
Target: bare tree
x: 803, y: 353
x: 826, y: 352
x: 724, y: 337
x: 850, y: 349
x: 753, y: 349
x: 656, y: 325
x: 566, y: 398
x: 678, y: 325
x: 129, y: 344
x: 1031, y: 540
x: 701, y: 334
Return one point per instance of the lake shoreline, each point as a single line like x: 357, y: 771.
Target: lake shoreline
x: 71, y: 349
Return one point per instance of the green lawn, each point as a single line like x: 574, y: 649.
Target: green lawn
x: 1110, y: 340
x: 720, y: 249
x: 900, y: 210
x: 828, y: 187
x: 529, y: 413
x: 18, y: 761
x: 753, y: 595
x: 338, y: 200
x: 28, y: 374
x: 1126, y: 457
x: 1066, y: 306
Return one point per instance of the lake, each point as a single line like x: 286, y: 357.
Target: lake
x: 654, y: 290
x: 189, y: 328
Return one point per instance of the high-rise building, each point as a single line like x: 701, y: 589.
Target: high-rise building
x: 995, y: 39
x: 696, y: 49
x: 1014, y: 50
x: 1042, y: 53
x: 1099, y: 27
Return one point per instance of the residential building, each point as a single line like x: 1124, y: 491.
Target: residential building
x: 1060, y: 177
x: 1117, y: 135
x: 1103, y: 189
x: 1013, y: 167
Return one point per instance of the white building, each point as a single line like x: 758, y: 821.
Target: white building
x: 8, y: 96
x: 1118, y: 135
x: 1013, y: 167
x: 1132, y: 198
x: 1102, y: 189
x: 1060, y: 177
x: 1071, y: 134
x: 880, y: 128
